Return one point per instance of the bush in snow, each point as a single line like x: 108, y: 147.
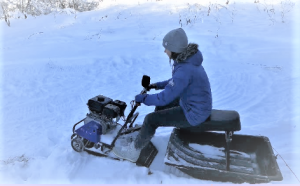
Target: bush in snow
x: 275, y: 10
x: 22, y: 8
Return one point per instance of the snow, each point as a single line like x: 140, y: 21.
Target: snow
x: 52, y: 64
x: 207, y: 149
x: 215, y: 152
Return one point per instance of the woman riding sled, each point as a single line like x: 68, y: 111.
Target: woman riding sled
x: 184, y: 102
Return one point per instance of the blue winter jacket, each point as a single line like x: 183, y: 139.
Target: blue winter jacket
x: 189, y: 82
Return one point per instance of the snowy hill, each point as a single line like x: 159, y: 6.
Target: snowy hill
x: 52, y: 64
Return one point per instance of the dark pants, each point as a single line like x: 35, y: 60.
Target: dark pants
x: 171, y: 115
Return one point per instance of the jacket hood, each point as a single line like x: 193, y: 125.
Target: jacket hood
x: 188, y: 55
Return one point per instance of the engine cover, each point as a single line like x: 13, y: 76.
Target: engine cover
x: 121, y: 104
x: 91, y: 131
x: 111, y: 111
x: 97, y: 104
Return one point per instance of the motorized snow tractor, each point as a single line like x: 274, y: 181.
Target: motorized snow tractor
x: 211, y: 151
x: 102, y: 128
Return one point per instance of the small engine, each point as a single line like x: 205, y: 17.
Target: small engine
x: 105, y: 112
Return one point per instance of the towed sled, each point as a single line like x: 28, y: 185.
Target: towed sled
x: 204, y: 152
x: 225, y: 157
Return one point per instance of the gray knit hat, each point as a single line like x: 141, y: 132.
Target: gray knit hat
x: 175, y: 41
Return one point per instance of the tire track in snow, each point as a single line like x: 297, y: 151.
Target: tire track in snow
x: 253, y: 92
x: 55, y: 94
x: 232, y: 90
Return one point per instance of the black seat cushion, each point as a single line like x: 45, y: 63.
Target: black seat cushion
x: 222, y: 120
x: 219, y: 120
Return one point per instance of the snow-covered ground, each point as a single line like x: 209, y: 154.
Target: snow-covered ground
x: 51, y: 65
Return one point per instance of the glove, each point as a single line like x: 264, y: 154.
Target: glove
x: 140, y: 98
x: 152, y: 86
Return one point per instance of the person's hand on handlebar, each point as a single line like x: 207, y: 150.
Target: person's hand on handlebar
x: 140, y: 98
x: 151, y: 86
